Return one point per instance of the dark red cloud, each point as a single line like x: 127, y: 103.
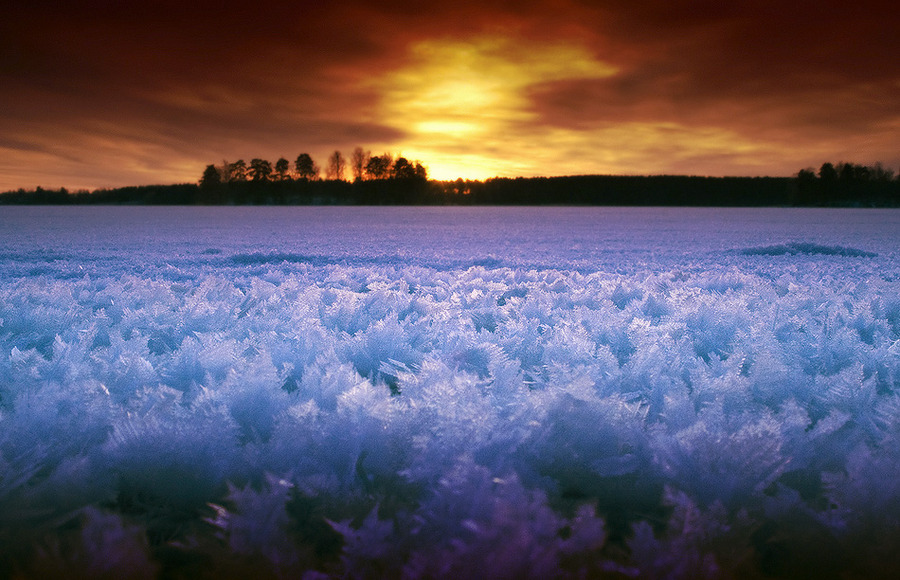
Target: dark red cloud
x: 682, y: 58
x: 185, y: 83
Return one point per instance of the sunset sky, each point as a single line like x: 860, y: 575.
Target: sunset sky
x: 110, y: 93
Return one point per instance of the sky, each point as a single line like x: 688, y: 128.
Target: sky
x: 110, y: 93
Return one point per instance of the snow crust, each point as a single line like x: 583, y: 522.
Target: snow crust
x: 406, y: 395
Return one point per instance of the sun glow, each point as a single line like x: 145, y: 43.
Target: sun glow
x: 445, y: 127
x: 466, y: 110
x: 451, y: 166
x: 461, y: 102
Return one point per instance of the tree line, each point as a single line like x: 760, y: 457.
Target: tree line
x: 838, y: 183
x: 363, y: 166
x: 848, y: 172
x: 389, y: 180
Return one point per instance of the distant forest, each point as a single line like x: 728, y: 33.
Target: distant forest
x: 388, y: 180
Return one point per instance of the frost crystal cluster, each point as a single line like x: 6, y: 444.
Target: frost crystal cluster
x: 443, y: 394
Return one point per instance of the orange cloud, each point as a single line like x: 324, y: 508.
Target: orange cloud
x: 100, y: 93
x: 463, y: 103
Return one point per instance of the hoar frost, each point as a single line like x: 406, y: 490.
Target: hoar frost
x: 737, y: 415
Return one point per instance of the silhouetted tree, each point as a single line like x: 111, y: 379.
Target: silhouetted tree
x: 403, y: 169
x: 211, y: 177
x: 827, y: 172
x: 211, y: 190
x: 282, y: 167
x: 846, y: 171
x: 379, y: 167
x: 224, y: 171
x: 306, y: 168
x: 336, y: 165
x: 237, y: 171
x: 881, y: 173
x: 260, y: 170
x: 358, y: 161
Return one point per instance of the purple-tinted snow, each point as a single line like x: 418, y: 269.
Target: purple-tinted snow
x: 449, y: 392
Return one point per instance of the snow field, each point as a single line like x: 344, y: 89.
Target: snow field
x: 332, y: 420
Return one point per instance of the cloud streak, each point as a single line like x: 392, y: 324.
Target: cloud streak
x: 108, y: 93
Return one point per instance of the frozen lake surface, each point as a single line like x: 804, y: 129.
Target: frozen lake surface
x: 582, y: 239
x: 450, y: 392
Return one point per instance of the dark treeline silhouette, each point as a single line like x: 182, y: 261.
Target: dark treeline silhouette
x: 363, y: 165
x: 836, y: 184
x: 389, y: 180
x: 179, y: 194
x: 662, y: 190
x: 377, y: 179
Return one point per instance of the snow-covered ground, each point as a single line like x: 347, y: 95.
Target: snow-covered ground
x: 449, y: 392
